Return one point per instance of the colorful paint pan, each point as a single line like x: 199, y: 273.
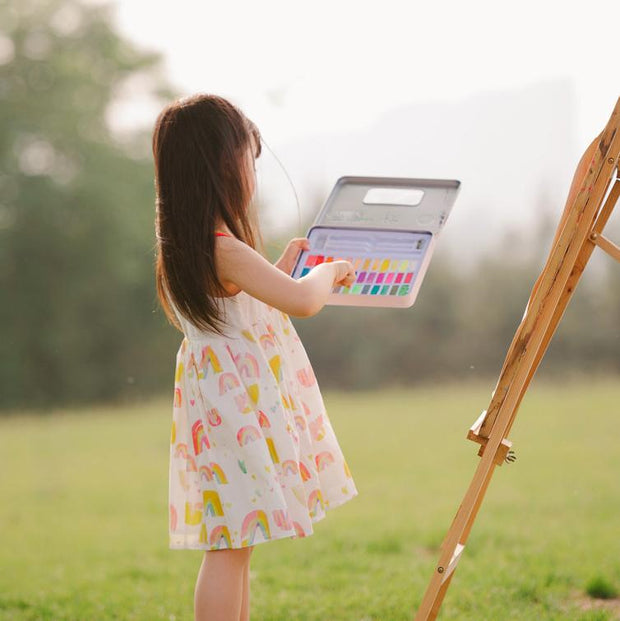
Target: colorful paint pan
x: 386, y: 271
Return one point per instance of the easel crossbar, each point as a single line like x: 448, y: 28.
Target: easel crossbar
x: 608, y: 246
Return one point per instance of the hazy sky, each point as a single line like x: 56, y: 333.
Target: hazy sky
x: 319, y: 77
x: 298, y: 67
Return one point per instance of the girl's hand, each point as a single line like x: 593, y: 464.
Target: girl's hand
x: 289, y: 257
x: 345, y: 273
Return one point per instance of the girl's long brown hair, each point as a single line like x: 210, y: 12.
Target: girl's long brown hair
x: 200, y: 146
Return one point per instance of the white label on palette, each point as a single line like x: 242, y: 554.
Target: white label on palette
x: 393, y: 196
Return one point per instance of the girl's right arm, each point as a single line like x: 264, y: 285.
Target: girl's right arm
x: 238, y: 263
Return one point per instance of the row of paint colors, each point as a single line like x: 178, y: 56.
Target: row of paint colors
x: 362, y: 263
x: 374, y: 289
x: 378, y: 276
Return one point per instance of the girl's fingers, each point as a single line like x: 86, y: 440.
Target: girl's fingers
x: 297, y: 244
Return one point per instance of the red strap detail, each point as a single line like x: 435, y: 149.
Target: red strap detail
x: 223, y: 234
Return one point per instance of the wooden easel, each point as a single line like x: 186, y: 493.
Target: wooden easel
x: 593, y: 195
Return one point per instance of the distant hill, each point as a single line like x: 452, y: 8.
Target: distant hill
x: 514, y: 152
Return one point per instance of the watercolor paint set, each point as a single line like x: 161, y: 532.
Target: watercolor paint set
x: 387, y: 228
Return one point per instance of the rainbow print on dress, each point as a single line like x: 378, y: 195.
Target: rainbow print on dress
x: 179, y: 372
x: 276, y: 369
x: 212, y: 503
x: 274, y: 334
x: 272, y: 451
x: 263, y: 421
x: 253, y: 391
x: 181, y: 450
x: 213, y: 471
x: 306, y: 376
x: 317, y: 429
x: 323, y: 460
x: 205, y: 472
x: 199, y: 436
x: 247, y: 434
x: 305, y: 473
x: 248, y: 335
x: 282, y: 520
x: 242, y: 401
x: 290, y: 466
x: 247, y: 367
x: 208, y: 359
x: 255, y: 520
x: 214, y: 418
x: 246, y: 364
x: 189, y: 463
x: 267, y: 341
x: 228, y: 381
x: 220, y: 535
x: 193, y: 513
x: 218, y: 473
x: 299, y: 531
x: 315, y: 502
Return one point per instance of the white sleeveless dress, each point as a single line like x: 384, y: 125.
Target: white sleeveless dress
x: 253, y: 456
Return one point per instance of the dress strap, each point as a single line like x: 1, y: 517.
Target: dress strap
x: 223, y: 234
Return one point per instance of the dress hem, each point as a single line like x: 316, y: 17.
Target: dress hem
x: 284, y: 535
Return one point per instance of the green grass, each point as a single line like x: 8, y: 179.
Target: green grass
x: 600, y: 588
x: 83, y: 514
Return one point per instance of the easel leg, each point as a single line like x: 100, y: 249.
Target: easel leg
x: 439, y: 598
x: 575, y: 240
x: 455, y: 541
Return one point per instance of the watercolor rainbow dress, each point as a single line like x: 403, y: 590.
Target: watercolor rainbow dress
x: 253, y: 456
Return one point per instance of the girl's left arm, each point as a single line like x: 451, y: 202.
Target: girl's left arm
x: 287, y: 261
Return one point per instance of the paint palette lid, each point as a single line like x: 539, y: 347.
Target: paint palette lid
x: 389, y: 203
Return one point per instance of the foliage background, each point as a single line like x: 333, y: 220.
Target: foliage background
x: 79, y: 322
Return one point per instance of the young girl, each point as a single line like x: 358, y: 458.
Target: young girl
x: 253, y: 456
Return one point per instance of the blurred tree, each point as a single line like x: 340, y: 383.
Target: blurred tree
x: 463, y: 322
x: 76, y: 209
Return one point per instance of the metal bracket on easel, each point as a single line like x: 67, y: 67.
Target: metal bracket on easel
x: 503, y: 453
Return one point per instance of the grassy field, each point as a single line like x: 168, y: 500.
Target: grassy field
x: 83, y: 514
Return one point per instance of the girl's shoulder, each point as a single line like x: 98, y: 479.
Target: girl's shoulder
x: 230, y: 287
